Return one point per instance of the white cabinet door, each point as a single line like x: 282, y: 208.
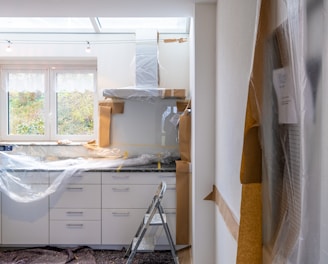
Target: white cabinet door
x: 25, y: 223
x: 75, y: 232
x: 77, y: 196
x: 0, y: 221
x: 135, y: 196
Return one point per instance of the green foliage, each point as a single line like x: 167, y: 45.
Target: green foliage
x: 26, y: 113
x: 74, y: 113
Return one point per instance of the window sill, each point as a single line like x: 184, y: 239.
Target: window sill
x: 42, y: 143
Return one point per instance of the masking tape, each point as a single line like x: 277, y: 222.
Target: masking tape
x: 225, y: 211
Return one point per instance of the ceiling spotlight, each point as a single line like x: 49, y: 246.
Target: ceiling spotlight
x: 88, y: 48
x: 8, y: 49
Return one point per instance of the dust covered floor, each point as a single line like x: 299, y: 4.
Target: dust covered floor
x: 81, y: 255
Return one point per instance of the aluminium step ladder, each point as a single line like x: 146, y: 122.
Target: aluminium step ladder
x: 142, y: 243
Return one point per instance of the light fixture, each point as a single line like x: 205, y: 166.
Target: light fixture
x: 88, y: 48
x: 8, y: 49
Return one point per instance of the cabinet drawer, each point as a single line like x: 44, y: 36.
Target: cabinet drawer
x: 138, y: 177
x: 75, y: 232
x: 30, y: 177
x: 77, y: 196
x: 119, y: 226
x: 89, y: 177
x: 75, y: 214
x: 135, y: 196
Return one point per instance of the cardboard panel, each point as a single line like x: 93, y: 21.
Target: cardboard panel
x: 250, y: 227
x: 185, y: 136
x: 104, y: 125
x: 183, y: 181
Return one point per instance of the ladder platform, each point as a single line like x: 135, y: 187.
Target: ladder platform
x: 156, y: 220
x: 147, y: 244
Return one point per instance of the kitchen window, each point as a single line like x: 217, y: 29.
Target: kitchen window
x: 48, y: 103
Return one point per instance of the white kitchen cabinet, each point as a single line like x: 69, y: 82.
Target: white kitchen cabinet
x: 0, y: 219
x: 26, y: 223
x: 125, y: 199
x: 92, y: 208
x: 75, y: 210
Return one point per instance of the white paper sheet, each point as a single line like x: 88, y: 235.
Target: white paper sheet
x: 285, y: 97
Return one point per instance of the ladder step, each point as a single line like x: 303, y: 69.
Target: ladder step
x: 156, y: 219
x: 147, y: 244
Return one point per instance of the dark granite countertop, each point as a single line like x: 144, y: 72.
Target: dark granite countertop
x: 153, y: 167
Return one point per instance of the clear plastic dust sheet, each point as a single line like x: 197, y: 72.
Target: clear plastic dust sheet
x: 291, y: 135
x: 18, y: 169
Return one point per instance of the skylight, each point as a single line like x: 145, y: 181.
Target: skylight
x: 163, y: 25
x: 91, y: 25
x: 45, y: 24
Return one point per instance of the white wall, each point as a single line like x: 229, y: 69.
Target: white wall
x: 236, y: 22
x: 203, y: 127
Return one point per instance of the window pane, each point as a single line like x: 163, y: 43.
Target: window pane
x: 26, y: 103
x: 75, y: 103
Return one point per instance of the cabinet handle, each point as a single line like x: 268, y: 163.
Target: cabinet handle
x: 170, y: 213
x: 171, y: 188
x: 74, y: 188
x: 74, y: 225
x: 74, y: 213
x: 167, y: 176
x: 121, y: 213
x: 115, y: 189
x: 120, y: 177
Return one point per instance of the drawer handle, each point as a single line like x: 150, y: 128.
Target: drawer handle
x: 115, y: 189
x: 74, y: 213
x: 74, y: 188
x: 170, y: 213
x: 121, y: 177
x: 171, y: 188
x: 167, y: 176
x: 121, y: 214
x: 74, y: 225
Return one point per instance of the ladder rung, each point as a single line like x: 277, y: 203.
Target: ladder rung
x: 147, y: 244
x: 156, y: 220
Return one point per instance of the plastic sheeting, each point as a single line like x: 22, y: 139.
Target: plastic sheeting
x: 17, y: 169
x: 291, y: 135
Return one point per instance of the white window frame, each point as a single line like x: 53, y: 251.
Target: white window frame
x: 50, y: 100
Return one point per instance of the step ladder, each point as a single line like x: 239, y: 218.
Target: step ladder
x: 154, y: 216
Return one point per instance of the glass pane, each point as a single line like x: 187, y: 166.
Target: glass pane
x: 75, y: 103
x: 130, y: 24
x: 45, y: 24
x: 26, y: 103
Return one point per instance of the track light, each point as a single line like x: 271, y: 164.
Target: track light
x: 88, y: 48
x: 8, y: 49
